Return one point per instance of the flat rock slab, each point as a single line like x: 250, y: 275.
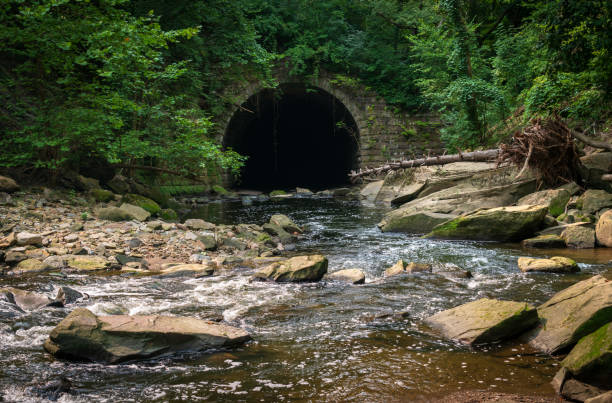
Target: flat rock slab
x: 572, y: 314
x: 25, y: 300
x: 484, y: 321
x: 113, y: 339
x: 296, y: 269
x: 556, y: 264
x: 497, y: 224
x: 86, y: 262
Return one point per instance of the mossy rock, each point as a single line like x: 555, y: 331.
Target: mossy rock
x: 113, y: 214
x: 572, y: 314
x: 142, y: 202
x: 591, y: 359
x: 102, y: 195
x: 498, y: 224
x: 220, y: 190
x: 277, y: 193
x: 484, y: 321
x: 167, y: 214
x: 544, y: 241
x: 86, y: 262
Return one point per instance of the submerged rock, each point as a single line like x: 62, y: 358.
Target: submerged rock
x: 296, y: 269
x: 354, y: 276
x: 556, y: 264
x: 497, y: 224
x: 117, y: 338
x: 484, y: 321
x: 572, y: 314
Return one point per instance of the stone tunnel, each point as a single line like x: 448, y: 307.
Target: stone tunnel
x: 294, y: 135
x: 305, y: 133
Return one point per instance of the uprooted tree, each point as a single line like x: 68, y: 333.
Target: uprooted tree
x: 545, y: 146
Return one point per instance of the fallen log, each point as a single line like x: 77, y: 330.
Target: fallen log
x: 474, y: 156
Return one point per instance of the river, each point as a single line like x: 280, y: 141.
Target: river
x: 327, y: 341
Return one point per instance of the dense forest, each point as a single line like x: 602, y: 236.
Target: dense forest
x: 123, y: 81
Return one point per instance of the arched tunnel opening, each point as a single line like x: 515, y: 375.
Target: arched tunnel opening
x: 294, y: 136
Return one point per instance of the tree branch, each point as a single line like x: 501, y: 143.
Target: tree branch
x: 593, y: 143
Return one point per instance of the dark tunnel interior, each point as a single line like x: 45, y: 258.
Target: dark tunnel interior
x: 294, y: 136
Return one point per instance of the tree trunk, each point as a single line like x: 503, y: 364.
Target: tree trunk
x: 478, y: 156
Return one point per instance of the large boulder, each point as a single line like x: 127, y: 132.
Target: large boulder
x: 556, y: 264
x: 603, y: 230
x: 422, y: 214
x: 572, y: 314
x: 484, y: 321
x: 8, y: 185
x: 591, y: 358
x: 113, y: 339
x: 579, y: 236
x: 497, y: 224
x: 142, y: 202
x: 353, y: 276
x: 555, y: 199
x: 296, y: 269
x: 594, y: 200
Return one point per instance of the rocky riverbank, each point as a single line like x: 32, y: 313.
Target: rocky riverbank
x: 57, y: 233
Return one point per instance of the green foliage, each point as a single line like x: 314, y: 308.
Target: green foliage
x: 139, y: 81
x: 86, y: 79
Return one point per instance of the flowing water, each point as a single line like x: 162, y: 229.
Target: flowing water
x: 311, y: 342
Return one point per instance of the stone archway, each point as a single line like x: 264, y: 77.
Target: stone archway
x: 294, y: 135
